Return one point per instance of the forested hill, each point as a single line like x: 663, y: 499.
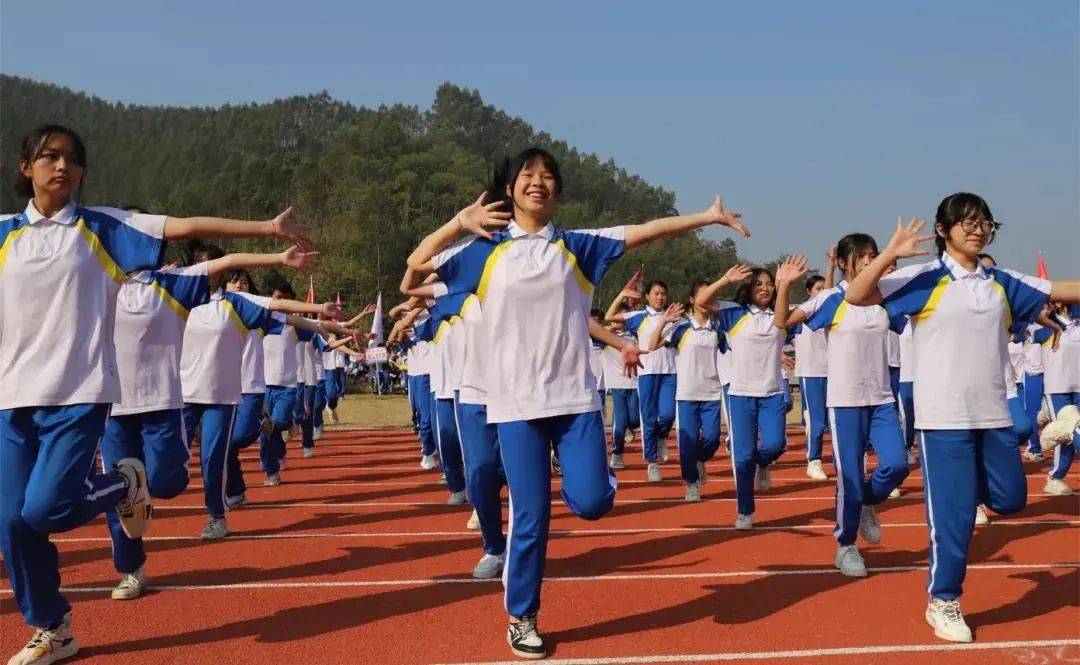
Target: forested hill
x: 371, y: 182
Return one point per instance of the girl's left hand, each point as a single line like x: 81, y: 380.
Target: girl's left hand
x: 732, y: 220
x: 287, y: 229
x: 673, y: 313
x: 300, y: 260
x: 631, y: 358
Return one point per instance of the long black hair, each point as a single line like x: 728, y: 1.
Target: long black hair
x: 957, y: 207
x: 745, y: 293
x: 852, y: 246
x: 506, y: 173
x: 32, y: 145
x: 239, y: 273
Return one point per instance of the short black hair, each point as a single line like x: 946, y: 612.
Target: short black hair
x: 745, y: 294
x: 506, y: 172
x: 813, y: 281
x: 957, y: 207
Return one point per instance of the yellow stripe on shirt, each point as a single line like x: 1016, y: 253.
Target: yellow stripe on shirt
x: 235, y: 317
x: 932, y: 301
x: 838, y: 316
x: 8, y: 242
x: 579, y: 276
x: 104, y: 258
x: 168, y: 299
x: 489, y: 267
x: 739, y: 324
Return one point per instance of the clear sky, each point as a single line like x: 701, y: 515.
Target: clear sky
x: 814, y: 118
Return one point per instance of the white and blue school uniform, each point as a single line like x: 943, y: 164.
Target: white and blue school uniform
x: 625, y: 409
x: 480, y: 451
x: 596, y: 364
x: 1062, y: 385
x: 536, y: 291
x: 310, y: 383
x: 280, y: 371
x: 656, y: 381
x: 1038, y: 342
x: 723, y: 370
x: 447, y: 337
x: 905, y: 391
x: 698, y: 385
x: 334, y: 376
x: 967, y: 448
x: 148, y: 422
x: 811, y: 369
x: 755, y: 394
x: 59, y: 279
x: 420, y: 360
x: 211, y: 376
x: 1014, y: 384
x: 317, y: 348
x: 247, y: 426
x: 861, y: 404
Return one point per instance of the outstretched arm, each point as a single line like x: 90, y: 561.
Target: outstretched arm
x: 293, y: 257
x: 281, y: 226
x: 613, y: 314
x: 863, y: 290
x: 672, y: 314
x: 737, y: 273
x: 641, y: 234
x: 476, y: 218
x: 787, y: 273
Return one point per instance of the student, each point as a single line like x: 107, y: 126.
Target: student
x: 1037, y: 341
x: 657, y: 381
x: 1062, y: 397
x: 280, y: 371
x: 861, y: 405
x: 61, y: 269
x: 625, y: 413
x: 959, y: 310
x: 535, y: 284
x: 445, y: 332
x: 811, y: 368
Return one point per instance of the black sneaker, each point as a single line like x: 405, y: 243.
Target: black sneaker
x: 523, y: 639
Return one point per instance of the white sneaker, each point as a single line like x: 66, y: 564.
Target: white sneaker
x: 272, y: 480
x: 457, y: 499
x: 1042, y: 419
x: 702, y: 474
x: 1033, y: 456
x: 1055, y: 486
x: 980, y: 515
x: 131, y: 586
x: 814, y: 470
x: 316, y: 433
x: 523, y: 639
x: 911, y: 460
x: 945, y: 618
x: 1060, y: 431
x: 135, y: 509
x: 744, y: 522
x: 869, y: 525
x: 654, y: 474
x: 48, y: 645
x: 617, y: 463
x: 849, y: 561
x: 235, y: 501
x: 762, y: 479
x: 629, y: 436
x: 216, y: 529
x: 428, y: 462
x: 308, y: 452
x: 693, y: 493
x: 474, y: 522
x: 489, y: 566
x: 664, y: 453
x: 895, y: 493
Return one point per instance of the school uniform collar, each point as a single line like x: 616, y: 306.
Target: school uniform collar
x: 699, y: 326
x: 959, y: 272
x: 66, y: 215
x: 547, y: 233
x: 843, y: 286
x: 652, y: 312
x: 754, y: 309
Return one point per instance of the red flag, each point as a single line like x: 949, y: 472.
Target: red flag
x: 1040, y: 268
x: 311, y: 291
x: 636, y: 283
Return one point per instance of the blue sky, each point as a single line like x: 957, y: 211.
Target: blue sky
x: 814, y: 118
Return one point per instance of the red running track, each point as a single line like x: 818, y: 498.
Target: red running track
x: 357, y: 559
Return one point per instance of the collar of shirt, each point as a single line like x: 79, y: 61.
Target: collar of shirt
x: 843, y: 285
x: 754, y: 309
x: 698, y: 326
x: 649, y: 311
x: 547, y: 233
x: 65, y: 216
x: 960, y: 272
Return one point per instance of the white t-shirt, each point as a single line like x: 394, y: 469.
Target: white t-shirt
x: 960, y: 321
x: 614, y: 371
x: 1062, y: 374
x: 151, y: 311
x: 471, y: 390
x: 536, y: 290
x: 892, y: 346
x: 252, y: 376
x: 858, y: 348
x: 756, y: 344
x: 907, y: 355
x: 596, y: 364
x: 280, y: 356
x: 723, y: 366
x: 642, y: 323
x: 696, y: 345
x: 313, y: 367
x: 214, y: 339
x: 811, y: 353
x: 59, y: 278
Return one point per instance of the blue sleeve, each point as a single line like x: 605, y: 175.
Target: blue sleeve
x: 425, y: 331
x: 829, y: 313
x: 679, y: 333
x: 729, y: 316
x: 633, y: 320
x: 1074, y: 311
x: 595, y: 250
x: 305, y: 335
x: 898, y: 323
x: 188, y: 286
x: 461, y: 266
x: 132, y: 241
x: 796, y: 329
x: 1041, y: 335
x: 251, y: 315
x: 1026, y: 295
x: 320, y: 343
x: 274, y: 327
x: 914, y: 290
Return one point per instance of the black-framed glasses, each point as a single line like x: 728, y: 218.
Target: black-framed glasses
x: 988, y: 227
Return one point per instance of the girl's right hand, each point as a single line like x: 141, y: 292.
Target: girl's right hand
x: 673, y: 313
x: 478, y: 217
x: 738, y: 273
x: 905, y: 242
x: 630, y: 295
x: 792, y: 269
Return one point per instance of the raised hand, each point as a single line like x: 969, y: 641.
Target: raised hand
x: 298, y: 259
x: 831, y: 256
x: 673, y: 313
x: 732, y: 220
x: 738, y: 273
x: 288, y: 229
x: 332, y: 310
x: 792, y: 269
x: 478, y: 217
x: 631, y: 359
x: 905, y: 242
x: 370, y: 309
x: 630, y: 295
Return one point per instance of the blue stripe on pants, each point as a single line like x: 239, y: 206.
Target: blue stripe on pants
x: 588, y: 490
x: 449, y: 445
x: 853, y: 428
x: 280, y: 407
x: 656, y: 395
x: 483, y: 472
x: 1063, y: 455
x: 814, y: 390
x: 159, y: 439
x: 962, y: 468
x: 749, y: 417
x: 699, y: 435
x: 48, y: 485
x: 216, y: 433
